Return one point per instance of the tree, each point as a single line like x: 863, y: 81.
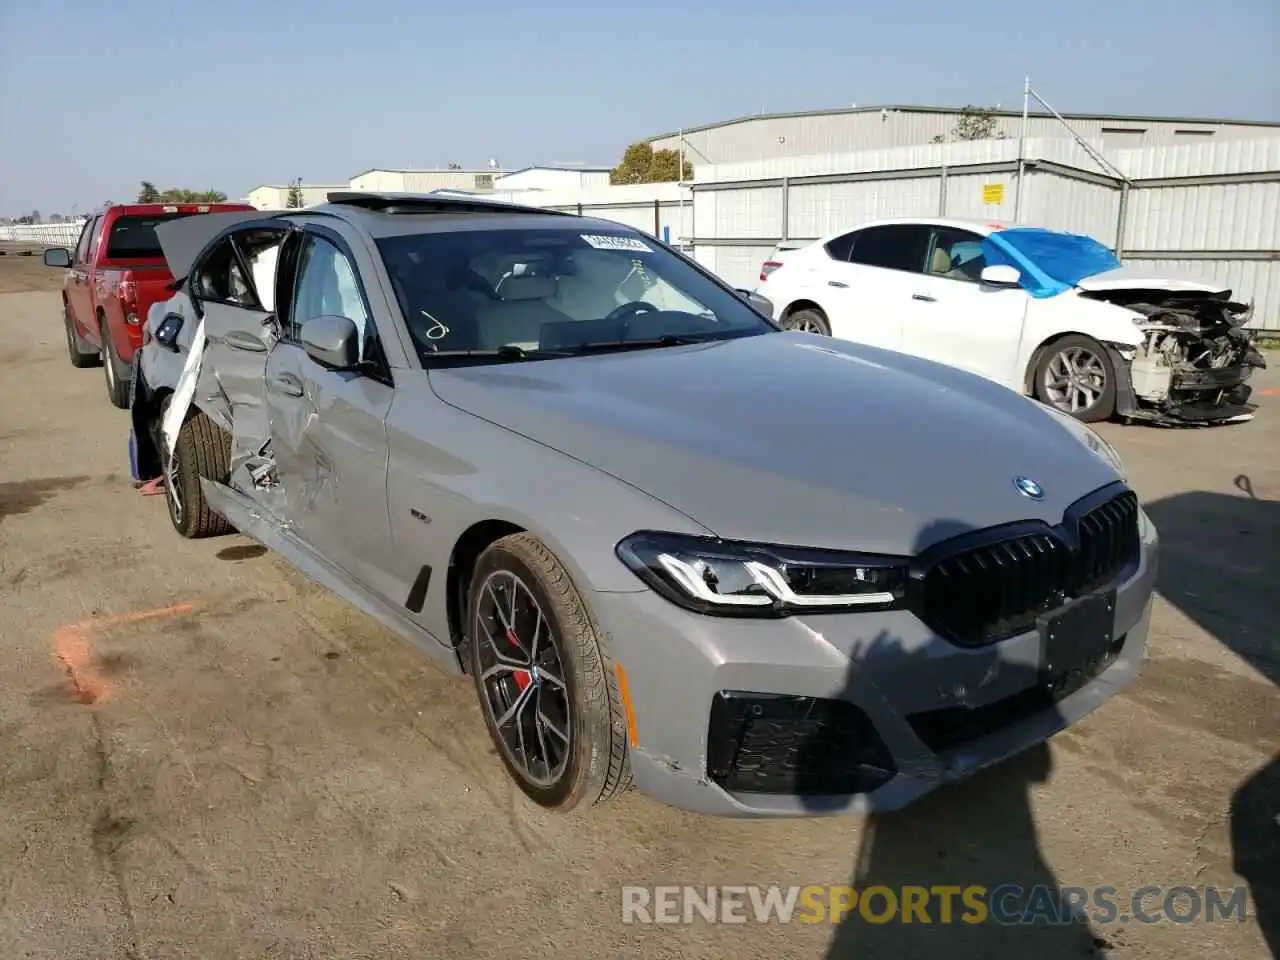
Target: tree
x: 294, y: 199
x: 642, y: 164
x: 148, y: 193
x: 974, y: 123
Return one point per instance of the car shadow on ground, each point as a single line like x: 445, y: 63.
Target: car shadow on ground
x: 977, y: 833
x: 1220, y: 565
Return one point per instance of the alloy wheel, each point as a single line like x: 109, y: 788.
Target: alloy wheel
x: 805, y: 323
x: 1075, y: 379
x: 522, y: 678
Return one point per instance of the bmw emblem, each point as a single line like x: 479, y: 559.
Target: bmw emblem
x: 1029, y: 488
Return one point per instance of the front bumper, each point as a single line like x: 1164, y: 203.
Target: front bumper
x: 889, y: 665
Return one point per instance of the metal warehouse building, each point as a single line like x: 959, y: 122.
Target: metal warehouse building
x: 776, y: 135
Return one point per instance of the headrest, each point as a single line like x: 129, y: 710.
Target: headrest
x: 526, y: 288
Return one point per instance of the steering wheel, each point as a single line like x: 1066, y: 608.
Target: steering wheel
x: 632, y: 309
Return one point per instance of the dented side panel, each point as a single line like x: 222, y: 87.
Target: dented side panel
x: 329, y: 442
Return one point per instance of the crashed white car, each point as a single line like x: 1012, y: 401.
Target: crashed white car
x: 1050, y: 314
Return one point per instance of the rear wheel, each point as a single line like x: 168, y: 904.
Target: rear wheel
x: 545, y: 678
x: 116, y: 370
x: 81, y: 353
x: 809, y: 320
x: 1075, y: 375
x: 202, y: 451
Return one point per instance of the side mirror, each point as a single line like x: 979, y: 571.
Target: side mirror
x: 1001, y: 275
x: 759, y: 303
x: 332, y: 342
x: 57, y: 257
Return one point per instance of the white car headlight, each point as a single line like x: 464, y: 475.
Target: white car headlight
x: 1091, y: 439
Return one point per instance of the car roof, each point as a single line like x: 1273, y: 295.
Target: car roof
x: 972, y: 224
x: 492, y: 215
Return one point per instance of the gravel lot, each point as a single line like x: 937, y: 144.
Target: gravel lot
x: 206, y: 756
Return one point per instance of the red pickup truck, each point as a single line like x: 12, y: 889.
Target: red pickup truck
x: 114, y: 275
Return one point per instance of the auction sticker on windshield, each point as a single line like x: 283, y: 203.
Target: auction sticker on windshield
x: 617, y: 243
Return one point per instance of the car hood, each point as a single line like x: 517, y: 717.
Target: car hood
x: 795, y: 439
x: 1143, y: 278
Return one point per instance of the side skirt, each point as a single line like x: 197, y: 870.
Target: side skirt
x: 249, y: 519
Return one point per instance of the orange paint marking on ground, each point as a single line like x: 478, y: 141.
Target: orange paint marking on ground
x: 1270, y: 392
x: 73, y: 647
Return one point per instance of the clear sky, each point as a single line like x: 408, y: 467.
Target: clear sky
x: 97, y: 95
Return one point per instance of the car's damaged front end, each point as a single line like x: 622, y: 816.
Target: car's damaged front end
x: 1194, y: 361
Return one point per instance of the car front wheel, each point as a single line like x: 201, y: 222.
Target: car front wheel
x: 81, y: 354
x: 203, y: 450
x: 545, y: 678
x: 808, y: 321
x: 1075, y: 376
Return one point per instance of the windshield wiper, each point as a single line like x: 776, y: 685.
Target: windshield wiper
x: 669, y: 340
x: 508, y: 352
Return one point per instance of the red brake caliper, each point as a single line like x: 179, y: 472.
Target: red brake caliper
x: 522, y: 676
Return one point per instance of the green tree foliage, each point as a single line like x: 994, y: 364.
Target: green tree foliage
x: 973, y: 123
x: 642, y: 164
x: 149, y: 194
x: 294, y: 200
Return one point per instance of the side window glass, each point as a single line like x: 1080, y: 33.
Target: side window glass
x: 841, y: 248
x: 95, y: 238
x: 898, y: 246
x: 327, y: 286
x: 221, y: 279
x: 82, y: 245
x: 956, y: 255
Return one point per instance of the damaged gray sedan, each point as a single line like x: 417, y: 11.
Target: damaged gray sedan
x: 564, y: 460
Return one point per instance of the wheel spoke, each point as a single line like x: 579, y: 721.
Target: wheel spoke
x: 547, y: 722
x: 498, y: 654
x: 550, y: 677
x: 517, y: 706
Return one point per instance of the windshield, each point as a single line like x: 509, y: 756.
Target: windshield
x: 536, y: 293
x: 1062, y: 259
x: 134, y: 237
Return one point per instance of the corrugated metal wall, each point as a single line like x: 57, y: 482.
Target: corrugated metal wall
x: 811, y: 134
x: 1208, y: 210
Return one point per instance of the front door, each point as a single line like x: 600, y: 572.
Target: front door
x: 79, y: 293
x: 954, y: 318
x: 328, y: 427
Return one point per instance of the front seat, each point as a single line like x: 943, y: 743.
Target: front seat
x: 519, y: 314
x: 940, y: 262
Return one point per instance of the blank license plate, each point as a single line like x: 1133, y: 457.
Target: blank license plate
x: 1077, y: 641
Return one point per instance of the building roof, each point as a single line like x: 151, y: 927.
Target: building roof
x: 906, y: 108
x: 305, y: 186
x: 570, y: 168
x: 426, y: 170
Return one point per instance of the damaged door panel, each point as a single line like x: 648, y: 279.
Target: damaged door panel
x: 1196, y: 356
x: 327, y: 418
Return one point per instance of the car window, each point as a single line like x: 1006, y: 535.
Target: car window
x: 134, y: 237
x: 327, y: 286
x: 956, y: 255
x: 548, y: 289
x: 896, y: 246
x: 220, y: 278
x: 82, y: 246
x: 841, y: 248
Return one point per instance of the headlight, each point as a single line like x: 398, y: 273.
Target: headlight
x: 732, y: 579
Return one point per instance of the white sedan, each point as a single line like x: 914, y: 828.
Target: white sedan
x: 1052, y: 315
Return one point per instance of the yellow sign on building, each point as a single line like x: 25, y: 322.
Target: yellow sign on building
x: 993, y: 193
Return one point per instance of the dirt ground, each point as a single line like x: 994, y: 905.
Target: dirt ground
x: 22, y: 269
x: 203, y: 755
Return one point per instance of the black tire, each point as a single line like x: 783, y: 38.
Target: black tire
x: 1067, y: 355
x: 81, y: 353
x: 203, y: 450
x: 809, y: 320
x: 595, y: 762
x: 118, y: 373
